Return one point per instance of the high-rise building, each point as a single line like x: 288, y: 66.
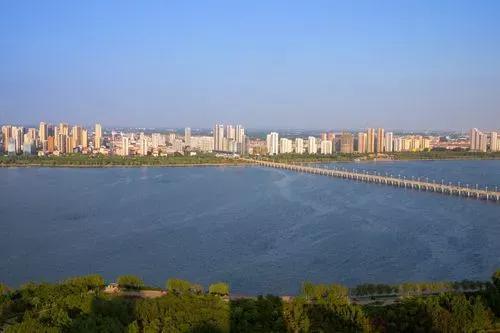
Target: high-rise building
x: 494, y: 141
x: 483, y: 142
x: 346, y: 143
x: 50, y: 144
x: 312, y: 147
x: 388, y: 142
x: 362, y: 137
x: 6, y: 135
x: 69, y: 144
x: 125, y: 146
x: 202, y: 143
x: 272, y: 141
x: 323, y: 136
x: 285, y: 146
x: 18, y: 136
x: 61, y: 143
x: 299, y: 146
x: 56, y: 137
x: 187, y: 136
x: 219, y: 137
x: 398, y: 144
x: 474, y: 139
x: 380, y: 140
x: 76, y: 136
x: 97, y: 136
x: 240, y: 134
x: 64, y: 129
x: 43, y: 131
x: 370, y: 140
x: 326, y: 147
x: 84, y: 138
x: 331, y: 137
x: 230, y: 132
x: 143, y: 146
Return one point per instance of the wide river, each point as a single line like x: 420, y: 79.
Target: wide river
x: 262, y: 230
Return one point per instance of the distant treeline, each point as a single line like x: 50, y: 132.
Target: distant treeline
x: 434, y: 154
x: 114, y: 160
x: 80, y: 305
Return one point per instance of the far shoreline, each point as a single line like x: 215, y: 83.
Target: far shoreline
x: 235, y: 164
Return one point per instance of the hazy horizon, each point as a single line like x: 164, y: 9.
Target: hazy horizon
x: 413, y: 65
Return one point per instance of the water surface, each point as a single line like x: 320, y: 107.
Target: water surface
x: 262, y: 230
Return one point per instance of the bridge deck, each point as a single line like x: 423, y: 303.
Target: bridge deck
x: 462, y: 191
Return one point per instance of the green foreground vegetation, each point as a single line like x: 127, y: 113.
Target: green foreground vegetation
x: 81, y: 160
x: 82, y: 304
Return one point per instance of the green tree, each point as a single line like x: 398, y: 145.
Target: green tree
x: 496, y: 279
x: 219, y: 288
x: 178, y: 286
x: 130, y: 282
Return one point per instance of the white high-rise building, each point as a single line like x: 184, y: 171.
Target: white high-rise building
x: 311, y: 145
x: 483, y: 142
x: 474, y: 139
x: 240, y: 134
x: 285, y: 146
x: 230, y: 132
x: 18, y: 136
x: 397, y: 144
x: 272, y: 141
x: 125, y: 146
x: 187, y: 136
x: 143, y: 146
x: 157, y: 140
x: 202, y: 143
x: 326, y: 147
x: 219, y: 137
x: 388, y: 142
x: 494, y: 141
x: 299, y: 146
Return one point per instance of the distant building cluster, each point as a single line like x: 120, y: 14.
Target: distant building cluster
x: 229, y: 139
x: 59, y: 139
x: 371, y: 141
x: 483, y: 142
x: 376, y: 141
x: 64, y: 139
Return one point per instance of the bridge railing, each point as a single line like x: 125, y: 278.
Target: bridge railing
x: 389, y: 179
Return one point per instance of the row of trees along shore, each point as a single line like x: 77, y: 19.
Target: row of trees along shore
x: 80, y: 304
x: 208, y: 158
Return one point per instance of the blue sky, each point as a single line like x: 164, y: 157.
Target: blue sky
x: 284, y: 64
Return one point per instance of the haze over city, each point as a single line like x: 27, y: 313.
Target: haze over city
x: 275, y: 64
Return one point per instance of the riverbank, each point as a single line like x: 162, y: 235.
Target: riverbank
x: 101, y: 161
x: 210, y: 160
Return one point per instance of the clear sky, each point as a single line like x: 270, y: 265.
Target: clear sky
x: 298, y: 64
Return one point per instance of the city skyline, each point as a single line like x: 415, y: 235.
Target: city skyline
x: 265, y: 64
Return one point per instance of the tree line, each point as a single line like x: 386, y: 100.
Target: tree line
x: 80, y: 304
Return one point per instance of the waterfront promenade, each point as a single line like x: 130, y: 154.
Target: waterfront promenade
x: 417, y: 184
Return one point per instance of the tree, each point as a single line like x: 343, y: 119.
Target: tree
x: 496, y: 278
x: 93, y: 281
x: 130, y: 282
x: 3, y: 288
x: 220, y: 288
x: 178, y: 286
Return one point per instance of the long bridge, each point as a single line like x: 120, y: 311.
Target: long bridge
x: 449, y: 189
